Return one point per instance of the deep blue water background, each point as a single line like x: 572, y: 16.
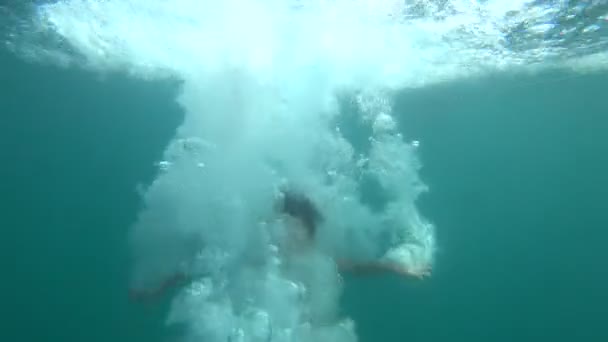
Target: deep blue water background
x: 516, y: 165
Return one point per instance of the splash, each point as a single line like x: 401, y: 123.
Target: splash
x: 265, y: 85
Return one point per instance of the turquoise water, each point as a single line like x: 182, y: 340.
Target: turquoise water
x: 515, y: 163
x: 517, y: 172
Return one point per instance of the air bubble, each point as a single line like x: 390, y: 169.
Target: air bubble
x: 164, y: 165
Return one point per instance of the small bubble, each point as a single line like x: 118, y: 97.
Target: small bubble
x: 362, y: 161
x: 273, y: 248
x: 164, y: 165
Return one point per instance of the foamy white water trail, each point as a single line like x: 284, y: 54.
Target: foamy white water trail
x: 262, y: 85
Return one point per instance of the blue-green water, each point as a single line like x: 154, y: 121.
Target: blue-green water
x: 517, y: 175
x: 516, y: 166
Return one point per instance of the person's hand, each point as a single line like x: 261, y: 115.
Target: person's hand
x: 144, y: 295
x: 420, y: 273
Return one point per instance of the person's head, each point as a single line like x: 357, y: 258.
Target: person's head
x: 301, y: 207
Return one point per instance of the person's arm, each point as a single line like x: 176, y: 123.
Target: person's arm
x: 151, y: 294
x: 379, y: 267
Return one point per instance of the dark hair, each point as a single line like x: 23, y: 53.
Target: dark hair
x: 301, y: 207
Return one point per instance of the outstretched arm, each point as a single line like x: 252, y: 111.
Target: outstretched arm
x: 378, y: 267
x: 151, y: 294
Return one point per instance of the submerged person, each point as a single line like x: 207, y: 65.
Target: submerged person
x: 307, y: 217
x: 303, y: 218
